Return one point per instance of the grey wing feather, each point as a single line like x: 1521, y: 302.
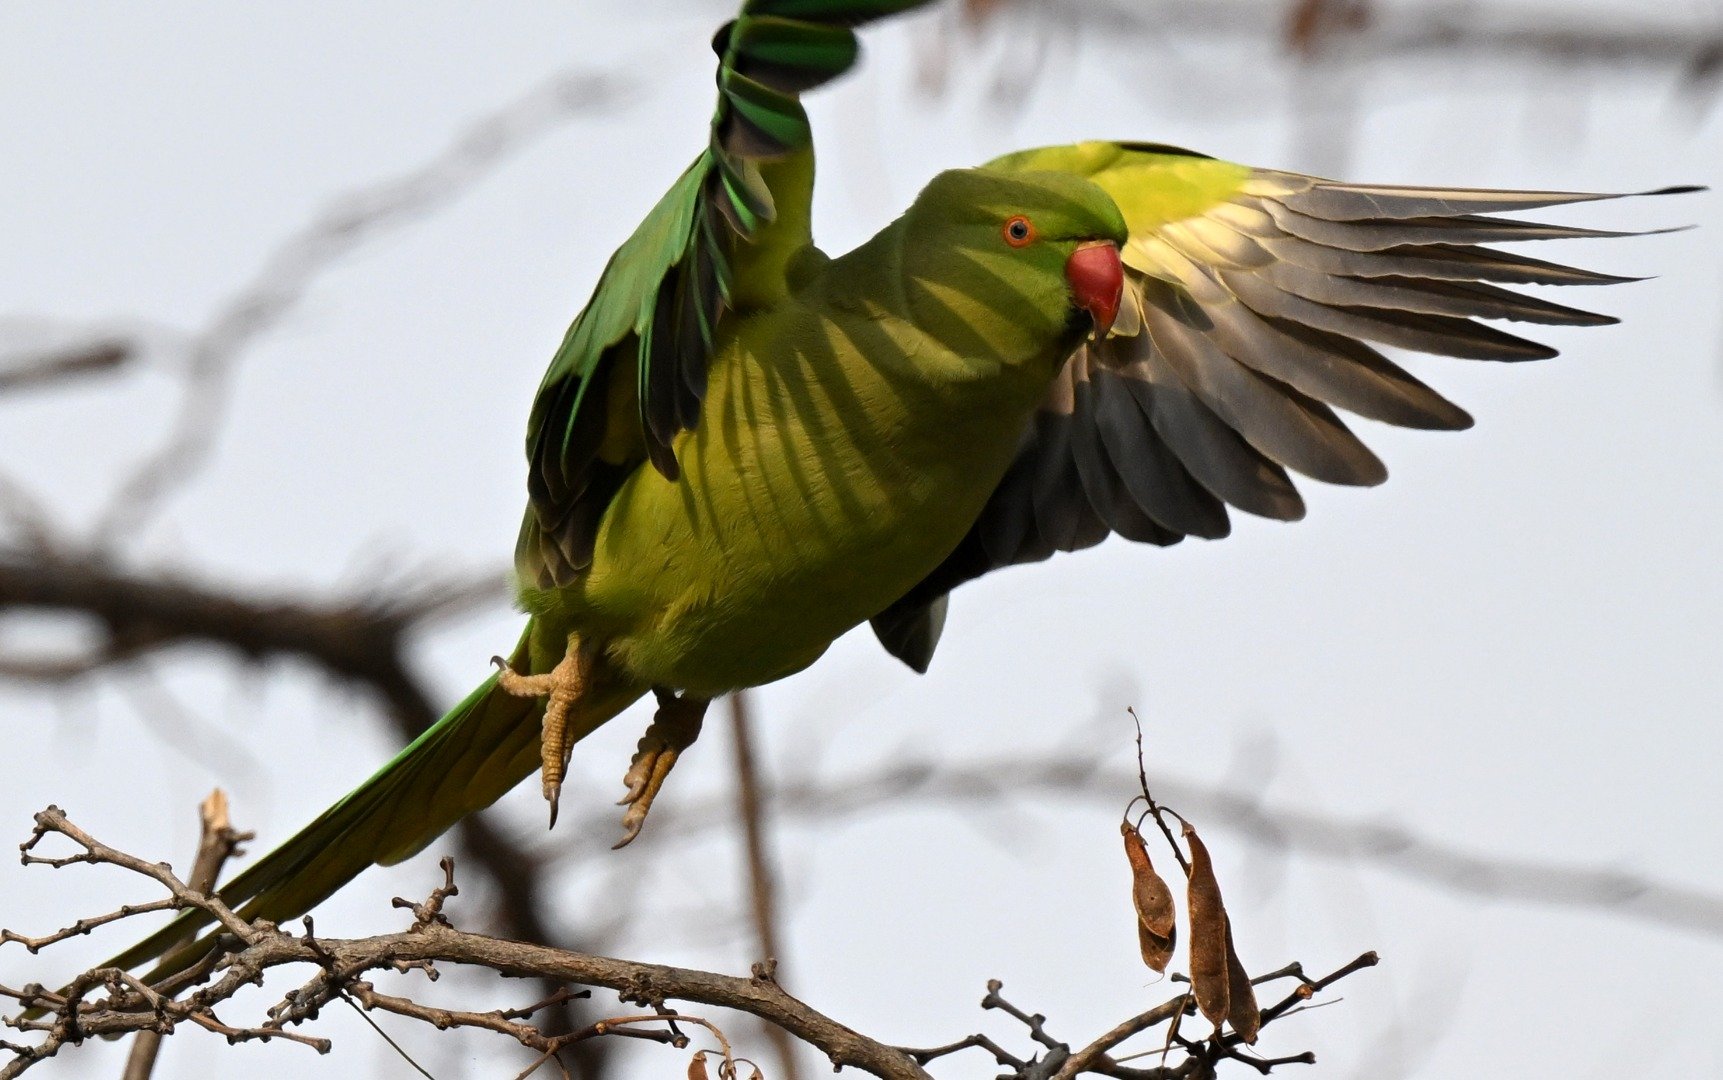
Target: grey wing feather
x: 1243, y: 329
x: 912, y: 633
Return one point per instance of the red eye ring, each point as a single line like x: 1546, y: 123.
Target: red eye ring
x: 1019, y: 231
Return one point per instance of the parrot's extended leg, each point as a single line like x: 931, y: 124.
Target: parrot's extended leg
x: 560, y: 686
x: 674, y: 728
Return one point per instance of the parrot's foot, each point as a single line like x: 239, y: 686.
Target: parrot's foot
x: 560, y: 686
x: 674, y: 729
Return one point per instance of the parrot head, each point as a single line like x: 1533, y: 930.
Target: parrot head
x: 1027, y: 261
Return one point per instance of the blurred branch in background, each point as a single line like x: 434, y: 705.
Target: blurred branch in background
x: 762, y: 878
x: 1686, y: 43
x: 362, y: 639
x: 1329, y: 49
x: 349, y: 221
x: 813, y: 801
x: 55, y: 366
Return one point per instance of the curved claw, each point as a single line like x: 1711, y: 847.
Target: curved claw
x: 631, y: 825
x: 674, y: 728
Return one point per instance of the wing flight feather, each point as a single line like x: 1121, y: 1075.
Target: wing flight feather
x: 1255, y: 305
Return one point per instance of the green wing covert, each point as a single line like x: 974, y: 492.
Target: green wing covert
x: 631, y: 371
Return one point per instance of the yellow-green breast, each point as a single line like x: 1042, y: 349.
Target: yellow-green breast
x: 840, y: 456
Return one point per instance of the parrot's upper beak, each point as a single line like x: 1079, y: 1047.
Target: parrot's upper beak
x: 1097, y: 281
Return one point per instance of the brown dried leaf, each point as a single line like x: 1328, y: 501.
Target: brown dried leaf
x: 1241, y: 1011
x: 1157, y: 929
x: 697, y: 1067
x: 1209, y: 967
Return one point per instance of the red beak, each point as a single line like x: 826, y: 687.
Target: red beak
x: 1097, y: 281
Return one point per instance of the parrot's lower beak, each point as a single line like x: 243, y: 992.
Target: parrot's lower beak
x: 1097, y: 281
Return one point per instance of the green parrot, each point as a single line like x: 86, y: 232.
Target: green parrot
x: 745, y: 447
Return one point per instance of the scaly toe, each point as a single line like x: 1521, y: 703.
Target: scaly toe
x: 638, y: 776
x: 520, y: 685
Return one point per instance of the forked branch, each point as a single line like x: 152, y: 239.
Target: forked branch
x: 105, y: 1002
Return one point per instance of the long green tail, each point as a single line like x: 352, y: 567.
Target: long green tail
x: 478, y: 751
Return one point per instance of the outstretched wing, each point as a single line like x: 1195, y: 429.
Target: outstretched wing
x: 632, y: 369
x: 1249, y: 298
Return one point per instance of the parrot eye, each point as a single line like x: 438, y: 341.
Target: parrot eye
x: 1019, y: 231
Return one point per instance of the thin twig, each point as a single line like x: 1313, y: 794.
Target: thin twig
x: 218, y: 841
x: 1085, y: 1059
x: 1156, y: 810
x: 982, y: 1042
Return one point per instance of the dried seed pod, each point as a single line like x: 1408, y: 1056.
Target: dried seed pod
x: 1221, y: 984
x: 1210, y: 978
x: 697, y: 1067
x: 1157, y: 929
x: 1241, y: 1009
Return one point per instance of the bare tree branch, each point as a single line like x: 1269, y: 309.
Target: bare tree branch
x: 70, y: 1016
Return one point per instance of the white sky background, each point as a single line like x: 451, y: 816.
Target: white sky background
x: 1513, y: 646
